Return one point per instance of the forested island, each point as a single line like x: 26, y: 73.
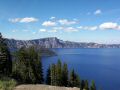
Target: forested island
x: 24, y: 66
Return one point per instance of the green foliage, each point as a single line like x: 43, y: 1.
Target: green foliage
x: 46, y: 52
x: 82, y: 85
x: 53, y: 75
x: 48, y: 78
x: 65, y: 75
x: 59, y: 76
x: 27, y: 66
x: 74, y: 79
x: 93, y: 87
x: 86, y: 87
x: 59, y: 73
x: 7, y: 83
x: 5, y: 58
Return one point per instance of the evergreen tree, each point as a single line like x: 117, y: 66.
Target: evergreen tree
x: 59, y: 73
x: 53, y: 75
x: 77, y: 81
x: 21, y: 66
x: 48, y: 78
x: 82, y: 85
x: 65, y: 75
x: 93, y: 87
x: 36, y: 64
x: 5, y: 58
x: 27, y: 66
x: 74, y: 79
x: 86, y: 87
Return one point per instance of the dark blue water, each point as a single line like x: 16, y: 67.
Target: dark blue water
x: 100, y: 65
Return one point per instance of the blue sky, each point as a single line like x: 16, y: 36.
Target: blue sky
x: 73, y: 20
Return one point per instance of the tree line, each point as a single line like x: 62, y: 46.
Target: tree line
x: 5, y: 58
x: 25, y: 66
x: 59, y: 75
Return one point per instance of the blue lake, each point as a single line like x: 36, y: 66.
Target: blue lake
x: 100, y: 65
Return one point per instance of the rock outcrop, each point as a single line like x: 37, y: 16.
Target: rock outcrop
x: 54, y: 42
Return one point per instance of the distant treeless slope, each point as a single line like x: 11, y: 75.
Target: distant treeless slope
x: 54, y: 42
x: 43, y: 87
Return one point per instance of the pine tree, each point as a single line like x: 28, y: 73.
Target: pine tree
x: 59, y: 73
x: 74, y: 79
x: 36, y: 64
x: 77, y: 81
x: 93, y: 87
x: 5, y: 58
x: 86, y: 87
x: 53, y: 75
x: 48, y: 78
x: 65, y: 75
x: 82, y: 85
x: 72, y: 75
x: 27, y: 66
x: 21, y: 66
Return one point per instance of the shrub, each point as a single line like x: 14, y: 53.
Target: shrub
x: 7, y: 84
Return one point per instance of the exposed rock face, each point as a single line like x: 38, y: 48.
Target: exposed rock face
x: 53, y: 42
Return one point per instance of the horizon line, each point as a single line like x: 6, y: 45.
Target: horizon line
x: 62, y: 40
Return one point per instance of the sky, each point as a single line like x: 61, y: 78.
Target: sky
x: 74, y: 20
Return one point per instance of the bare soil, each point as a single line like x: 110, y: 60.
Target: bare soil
x: 42, y: 87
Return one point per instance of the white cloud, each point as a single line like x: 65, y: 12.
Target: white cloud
x: 103, y: 26
x: 70, y: 29
x: 49, y: 23
x: 14, y: 20
x: 66, y: 29
x: 23, y: 20
x: 52, y: 31
x: 49, y: 31
x: 92, y: 28
x: 67, y: 22
x: 52, y: 18
x: 118, y: 28
x: 97, y: 12
x: 109, y: 25
x: 58, y: 28
x: 81, y: 27
x: 28, y: 19
x: 42, y: 30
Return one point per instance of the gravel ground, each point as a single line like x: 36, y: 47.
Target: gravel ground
x: 42, y: 87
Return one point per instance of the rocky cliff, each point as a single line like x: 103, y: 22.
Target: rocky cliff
x: 54, y: 42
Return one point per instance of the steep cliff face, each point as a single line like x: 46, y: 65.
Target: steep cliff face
x: 54, y: 42
x: 45, y: 42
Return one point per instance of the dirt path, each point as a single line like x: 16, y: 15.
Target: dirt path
x: 42, y: 87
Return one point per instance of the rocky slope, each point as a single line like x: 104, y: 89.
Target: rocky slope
x: 54, y: 42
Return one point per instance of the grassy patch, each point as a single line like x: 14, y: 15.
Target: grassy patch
x: 7, y: 84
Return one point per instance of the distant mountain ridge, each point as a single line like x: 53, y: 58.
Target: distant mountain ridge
x: 54, y: 42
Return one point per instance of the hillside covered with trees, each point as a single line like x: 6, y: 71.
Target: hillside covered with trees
x: 26, y: 68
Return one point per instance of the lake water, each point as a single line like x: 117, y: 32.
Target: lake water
x: 100, y: 65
